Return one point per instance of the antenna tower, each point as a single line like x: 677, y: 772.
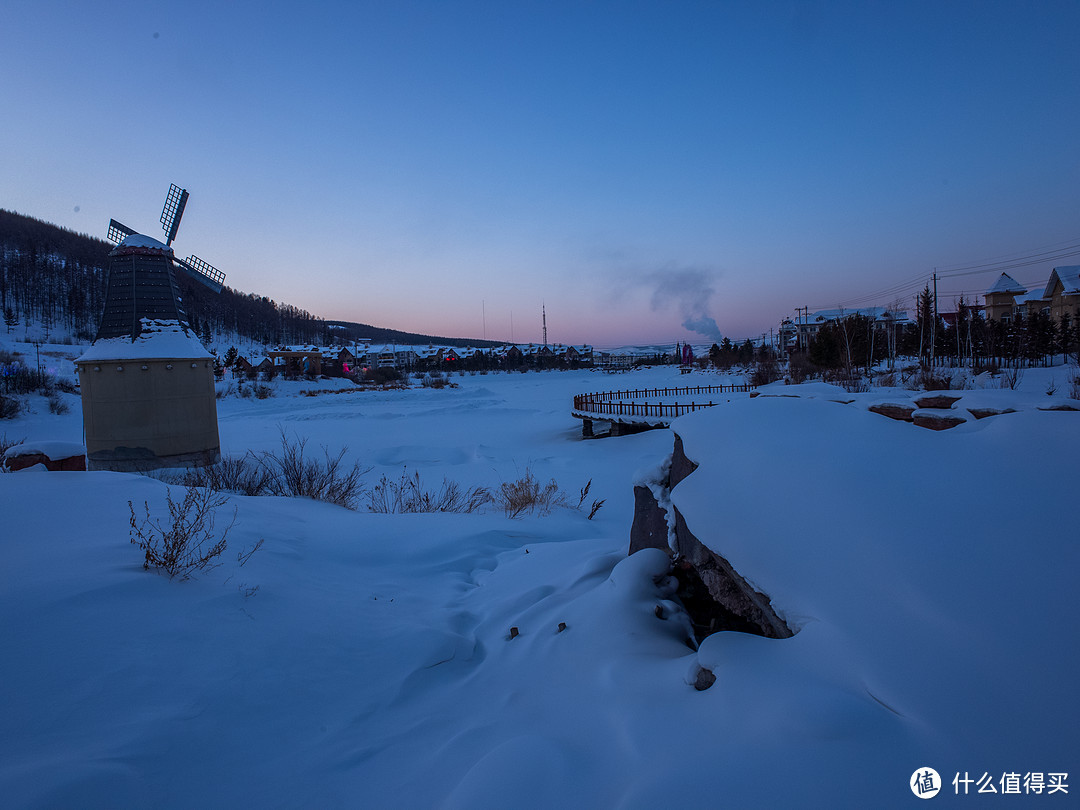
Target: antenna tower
x: 543, y: 316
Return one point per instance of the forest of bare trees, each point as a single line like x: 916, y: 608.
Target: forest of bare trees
x: 57, y: 278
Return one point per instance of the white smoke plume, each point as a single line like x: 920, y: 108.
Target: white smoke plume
x: 688, y: 290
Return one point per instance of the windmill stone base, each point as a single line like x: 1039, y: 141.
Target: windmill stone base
x: 149, y: 403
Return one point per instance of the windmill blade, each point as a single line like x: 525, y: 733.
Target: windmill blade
x: 175, y: 202
x: 201, y: 271
x: 119, y: 231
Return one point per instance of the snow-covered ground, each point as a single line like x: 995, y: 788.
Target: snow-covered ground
x: 932, y: 576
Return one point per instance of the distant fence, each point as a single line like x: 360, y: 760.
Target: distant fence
x: 622, y: 403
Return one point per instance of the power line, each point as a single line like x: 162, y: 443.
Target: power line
x: 1068, y: 244
x: 1049, y: 253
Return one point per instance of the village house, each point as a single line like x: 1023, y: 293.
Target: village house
x: 1063, y: 293
x: 800, y: 333
x: 1008, y: 299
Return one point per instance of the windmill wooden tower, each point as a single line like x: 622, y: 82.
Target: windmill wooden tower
x: 147, y: 382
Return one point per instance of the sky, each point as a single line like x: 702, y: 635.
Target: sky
x: 646, y: 172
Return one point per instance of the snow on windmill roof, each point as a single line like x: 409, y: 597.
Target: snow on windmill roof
x: 1069, y: 278
x: 157, y: 339
x: 1006, y: 284
x: 137, y: 240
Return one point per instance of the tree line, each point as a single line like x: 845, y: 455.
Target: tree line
x: 857, y: 342
x: 58, y: 278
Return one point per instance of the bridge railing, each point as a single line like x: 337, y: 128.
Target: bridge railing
x: 622, y: 403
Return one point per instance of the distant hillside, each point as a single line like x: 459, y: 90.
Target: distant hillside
x: 352, y: 332
x: 58, y: 277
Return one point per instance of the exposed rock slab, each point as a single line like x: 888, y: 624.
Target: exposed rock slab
x: 901, y: 411
x: 714, y: 594
x: 937, y: 419
x: 650, y: 528
x: 738, y: 606
x: 681, y: 466
x: 937, y: 401
x: 16, y: 462
x: 1058, y: 406
x: 982, y: 413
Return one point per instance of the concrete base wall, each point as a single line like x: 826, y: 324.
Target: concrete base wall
x: 149, y: 413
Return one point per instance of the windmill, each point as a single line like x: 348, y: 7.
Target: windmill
x: 147, y: 383
x: 141, y: 279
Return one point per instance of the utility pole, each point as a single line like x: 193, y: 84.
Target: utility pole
x: 802, y: 315
x: 933, y: 326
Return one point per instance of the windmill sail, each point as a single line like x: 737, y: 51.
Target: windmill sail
x: 202, y: 271
x: 118, y: 231
x: 175, y: 202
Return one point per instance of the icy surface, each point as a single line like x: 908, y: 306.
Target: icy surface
x: 931, y: 574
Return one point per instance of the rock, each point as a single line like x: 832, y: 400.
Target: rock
x: 937, y: 420
x: 649, y: 529
x: 714, y: 595
x: 681, y: 466
x: 724, y: 600
x: 938, y: 401
x: 704, y: 679
x: 15, y: 462
x: 894, y: 410
x: 1058, y: 406
x: 982, y: 413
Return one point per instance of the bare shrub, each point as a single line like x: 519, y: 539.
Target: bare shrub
x: 240, y: 474
x: 408, y: 495
x: 434, y: 379
x: 924, y: 379
x: 5, y: 445
x: 57, y: 405
x: 583, y: 494
x: 9, y: 407
x: 1011, y: 377
x: 188, y: 543
x: 526, y: 495
x: 294, y: 474
x: 1074, y: 382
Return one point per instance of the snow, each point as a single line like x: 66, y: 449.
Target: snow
x: 51, y: 449
x: 1006, y: 284
x: 931, y: 576
x: 158, y: 340
x: 138, y: 240
x: 1069, y: 278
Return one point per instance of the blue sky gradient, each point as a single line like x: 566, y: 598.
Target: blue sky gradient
x: 635, y: 166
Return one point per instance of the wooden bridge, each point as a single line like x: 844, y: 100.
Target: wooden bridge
x: 633, y: 411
